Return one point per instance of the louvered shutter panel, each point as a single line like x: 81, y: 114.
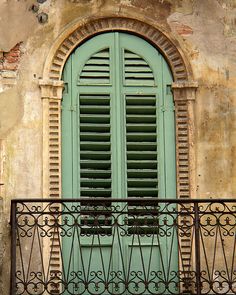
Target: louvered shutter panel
x: 95, y: 145
x: 94, y: 136
x: 141, y: 146
x: 96, y: 70
x: 119, y: 121
x: 141, y: 119
x: 95, y: 127
x: 136, y: 70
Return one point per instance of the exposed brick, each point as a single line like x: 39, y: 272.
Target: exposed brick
x: 182, y: 29
x: 10, y: 60
x: 10, y: 67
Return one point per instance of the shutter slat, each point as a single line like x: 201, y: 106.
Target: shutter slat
x: 130, y: 62
x: 95, y: 119
x: 96, y: 173
x: 94, y: 127
x: 96, y: 69
x: 88, y: 155
x: 100, y: 99
x: 140, y: 110
x: 138, y: 136
x: 143, y: 192
x: 141, y: 127
x: 89, y: 184
x: 95, y: 165
x: 102, y: 54
x: 95, y: 136
x: 142, y: 182
x: 141, y: 101
x: 141, y: 155
x: 141, y: 165
x: 144, y: 173
x: 141, y: 75
x: 97, y: 75
x: 94, y: 146
x: 95, y: 193
x: 137, y: 69
x: 93, y: 110
x: 141, y: 146
x: 140, y: 119
x: 96, y: 61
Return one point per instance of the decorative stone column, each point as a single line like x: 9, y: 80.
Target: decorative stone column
x: 51, y: 94
x: 184, y: 98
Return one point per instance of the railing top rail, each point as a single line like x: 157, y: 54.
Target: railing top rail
x: 113, y: 200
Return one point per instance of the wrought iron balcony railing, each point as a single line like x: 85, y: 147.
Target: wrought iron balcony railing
x: 123, y: 246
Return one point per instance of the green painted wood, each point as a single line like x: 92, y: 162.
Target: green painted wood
x: 118, y: 141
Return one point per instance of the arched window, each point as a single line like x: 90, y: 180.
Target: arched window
x: 118, y: 141
x: 118, y: 129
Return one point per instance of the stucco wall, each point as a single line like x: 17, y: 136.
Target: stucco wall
x: 205, y: 31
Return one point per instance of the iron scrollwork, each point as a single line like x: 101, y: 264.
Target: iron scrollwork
x: 123, y: 246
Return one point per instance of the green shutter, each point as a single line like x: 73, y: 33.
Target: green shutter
x: 118, y: 140
x: 123, y: 132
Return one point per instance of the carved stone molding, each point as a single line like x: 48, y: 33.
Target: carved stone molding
x: 51, y: 93
x: 184, y: 98
x: 58, y: 56
x: 184, y: 90
x: 51, y: 89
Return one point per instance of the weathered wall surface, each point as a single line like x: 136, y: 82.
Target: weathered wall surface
x: 205, y: 31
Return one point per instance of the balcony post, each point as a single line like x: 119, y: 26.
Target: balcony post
x: 13, y: 248
x: 197, y: 249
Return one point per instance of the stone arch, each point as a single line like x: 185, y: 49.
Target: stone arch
x: 74, y: 36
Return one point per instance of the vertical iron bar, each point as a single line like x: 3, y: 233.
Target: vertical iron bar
x: 13, y: 248
x: 197, y: 248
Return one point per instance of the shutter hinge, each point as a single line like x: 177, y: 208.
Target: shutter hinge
x: 168, y: 89
x: 72, y: 108
x: 65, y: 90
x: 167, y: 109
x: 163, y: 109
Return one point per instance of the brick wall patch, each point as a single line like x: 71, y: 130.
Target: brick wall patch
x: 9, y: 64
x: 181, y: 29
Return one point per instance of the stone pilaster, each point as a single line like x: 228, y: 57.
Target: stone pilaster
x: 51, y: 94
x: 184, y: 98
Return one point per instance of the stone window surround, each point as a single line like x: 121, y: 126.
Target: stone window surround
x: 51, y: 85
x: 183, y: 87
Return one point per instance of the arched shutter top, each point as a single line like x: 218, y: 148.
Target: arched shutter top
x: 136, y: 70
x: 118, y: 94
x: 96, y: 69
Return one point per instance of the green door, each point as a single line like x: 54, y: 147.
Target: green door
x: 118, y: 141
